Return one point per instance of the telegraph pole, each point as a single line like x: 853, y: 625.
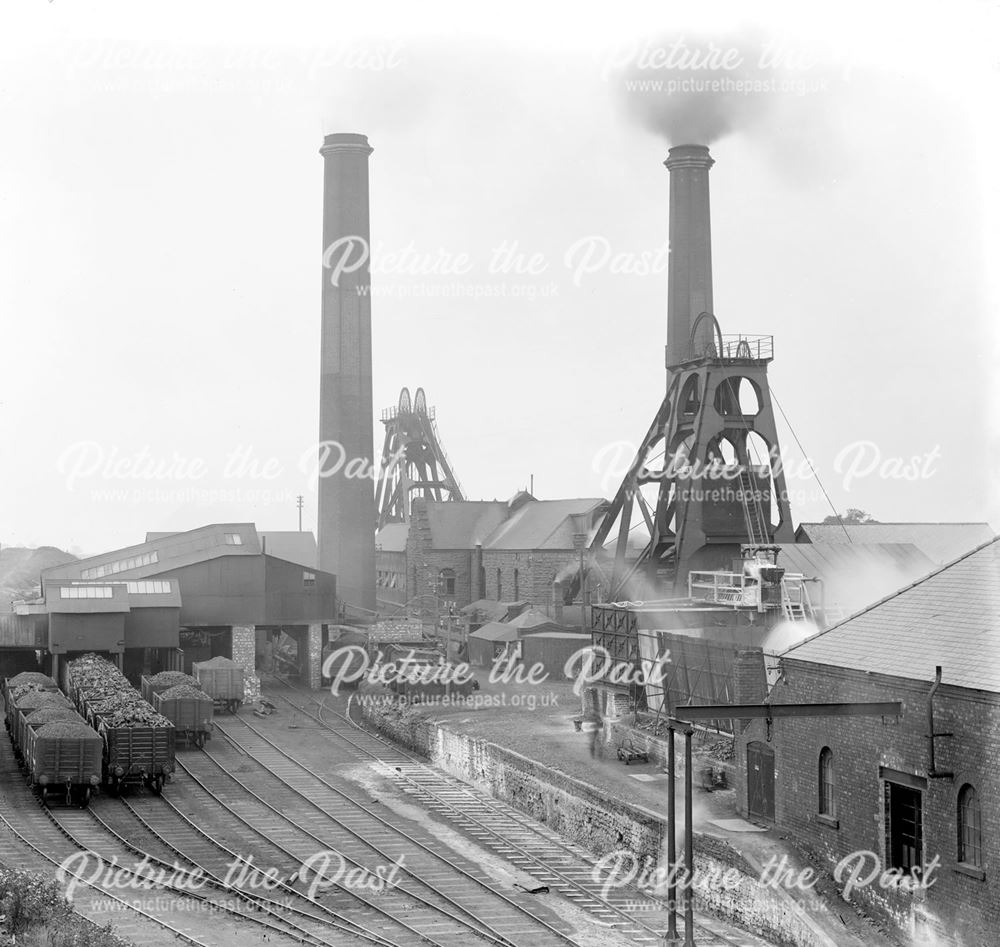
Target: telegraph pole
x: 299, y: 503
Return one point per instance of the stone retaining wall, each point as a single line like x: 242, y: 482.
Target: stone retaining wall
x: 582, y: 814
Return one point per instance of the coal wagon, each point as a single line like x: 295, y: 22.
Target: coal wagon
x: 222, y: 680
x: 63, y: 760
x: 189, y: 709
x: 19, y: 685
x: 59, y: 753
x: 157, y: 683
x: 138, y: 743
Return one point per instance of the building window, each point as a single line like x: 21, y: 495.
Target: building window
x: 120, y: 565
x: 446, y: 581
x: 517, y: 589
x: 308, y: 580
x: 234, y: 539
x: 499, y: 587
x: 86, y: 591
x: 903, y: 827
x: 151, y: 587
x: 970, y: 832
x: 827, y: 803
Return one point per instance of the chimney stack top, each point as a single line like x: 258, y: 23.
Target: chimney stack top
x: 346, y: 141
x: 689, y: 156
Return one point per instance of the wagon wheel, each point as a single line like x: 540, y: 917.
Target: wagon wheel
x: 157, y: 785
x: 200, y: 739
x: 85, y: 797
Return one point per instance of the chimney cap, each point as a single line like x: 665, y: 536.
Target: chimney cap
x: 346, y: 141
x: 689, y: 156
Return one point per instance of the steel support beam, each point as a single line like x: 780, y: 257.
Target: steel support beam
x: 702, y: 711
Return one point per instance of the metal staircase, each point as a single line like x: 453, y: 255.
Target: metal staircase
x: 795, y: 602
x: 753, y: 511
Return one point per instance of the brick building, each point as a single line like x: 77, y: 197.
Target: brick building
x: 847, y: 785
x: 462, y: 551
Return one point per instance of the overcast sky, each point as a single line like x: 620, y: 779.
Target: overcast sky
x: 160, y: 231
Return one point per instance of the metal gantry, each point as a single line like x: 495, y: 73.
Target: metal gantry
x: 709, y: 466
x: 414, y: 463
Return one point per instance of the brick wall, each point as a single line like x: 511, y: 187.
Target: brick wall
x: 244, y: 653
x: 957, y: 909
x: 602, y: 825
x: 312, y: 638
x: 425, y: 563
x: 536, y: 571
x: 390, y: 578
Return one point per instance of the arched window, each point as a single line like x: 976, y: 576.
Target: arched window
x: 446, y: 581
x: 970, y: 832
x: 517, y: 590
x: 827, y: 803
x: 499, y: 587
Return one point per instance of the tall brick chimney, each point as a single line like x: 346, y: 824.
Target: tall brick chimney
x: 689, y: 269
x: 346, y: 537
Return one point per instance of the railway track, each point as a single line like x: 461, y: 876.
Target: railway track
x: 448, y: 903
x: 277, y: 915
x: 536, y: 850
x: 239, y: 820
x: 33, y: 838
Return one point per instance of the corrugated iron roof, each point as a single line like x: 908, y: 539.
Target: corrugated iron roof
x: 940, y: 542
x: 532, y: 619
x: 292, y: 546
x: 496, y: 631
x: 949, y: 618
x: 173, y: 550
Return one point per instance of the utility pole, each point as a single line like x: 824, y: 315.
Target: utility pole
x: 299, y: 501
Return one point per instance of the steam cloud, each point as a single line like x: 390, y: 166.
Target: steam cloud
x: 694, y: 88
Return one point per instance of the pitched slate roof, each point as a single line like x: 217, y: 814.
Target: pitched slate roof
x: 855, y: 574
x: 949, y: 618
x: 392, y: 537
x: 462, y: 524
x: 940, y: 542
x: 544, y: 524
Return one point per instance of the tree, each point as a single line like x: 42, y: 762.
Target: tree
x: 851, y: 517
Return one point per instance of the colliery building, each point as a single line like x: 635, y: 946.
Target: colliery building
x: 178, y: 598
x: 463, y: 551
x: 919, y: 792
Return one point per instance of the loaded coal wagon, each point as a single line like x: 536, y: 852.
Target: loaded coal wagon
x: 157, y: 683
x: 139, y: 743
x: 64, y: 760
x: 189, y: 709
x: 59, y: 752
x: 222, y: 680
x: 179, y: 698
x: 20, y: 684
x: 26, y: 704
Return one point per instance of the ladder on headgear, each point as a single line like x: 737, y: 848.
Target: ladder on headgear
x: 753, y: 510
